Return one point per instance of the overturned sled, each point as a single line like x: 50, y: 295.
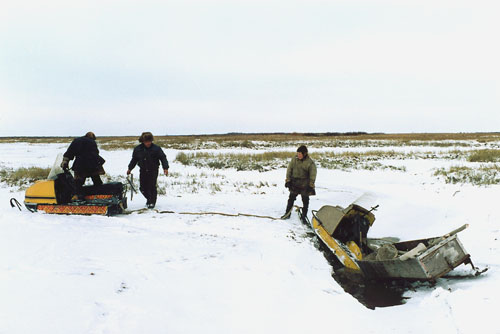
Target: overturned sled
x: 344, y: 232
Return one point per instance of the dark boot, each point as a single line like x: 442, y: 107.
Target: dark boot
x: 287, y: 214
x: 289, y: 206
x: 303, y: 217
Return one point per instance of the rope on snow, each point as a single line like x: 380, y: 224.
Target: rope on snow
x: 140, y: 211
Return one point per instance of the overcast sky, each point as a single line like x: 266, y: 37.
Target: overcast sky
x: 203, y: 66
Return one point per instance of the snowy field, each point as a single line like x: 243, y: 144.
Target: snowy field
x: 171, y: 273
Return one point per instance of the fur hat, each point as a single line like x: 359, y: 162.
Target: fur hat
x: 146, y: 136
x: 302, y: 149
x: 90, y: 135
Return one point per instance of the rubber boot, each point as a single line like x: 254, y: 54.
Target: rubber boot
x: 288, y: 211
x: 303, y: 217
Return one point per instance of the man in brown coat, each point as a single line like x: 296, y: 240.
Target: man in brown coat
x: 300, y: 179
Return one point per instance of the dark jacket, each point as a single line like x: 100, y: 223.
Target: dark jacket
x: 87, y: 155
x: 148, y: 159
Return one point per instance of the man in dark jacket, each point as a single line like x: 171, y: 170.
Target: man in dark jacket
x: 88, y: 162
x: 148, y: 156
x: 300, y: 179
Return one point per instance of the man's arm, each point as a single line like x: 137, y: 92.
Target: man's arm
x: 289, y: 171
x: 133, y: 161
x: 312, y: 175
x: 70, y: 154
x: 163, y: 159
x: 72, y: 150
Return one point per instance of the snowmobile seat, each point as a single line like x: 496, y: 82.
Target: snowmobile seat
x: 111, y: 188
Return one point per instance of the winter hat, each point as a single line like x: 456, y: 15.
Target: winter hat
x: 146, y: 136
x: 302, y: 149
x: 90, y: 135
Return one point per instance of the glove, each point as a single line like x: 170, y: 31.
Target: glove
x: 288, y: 184
x: 65, y: 164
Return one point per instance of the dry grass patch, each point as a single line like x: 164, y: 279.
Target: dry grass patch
x: 239, y: 161
x: 24, y: 176
x: 260, y: 142
x: 484, y: 156
x: 280, y: 159
x: 361, y: 160
x: 483, y: 175
x: 36, y: 140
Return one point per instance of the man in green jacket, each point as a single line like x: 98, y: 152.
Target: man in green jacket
x: 300, y: 179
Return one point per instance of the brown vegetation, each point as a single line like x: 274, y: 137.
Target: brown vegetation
x: 245, y: 140
x: 23, y: 176
x: 485, y: 156
x: 483, y: 175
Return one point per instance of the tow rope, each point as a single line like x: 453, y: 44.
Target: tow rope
x: 145, y: 210
x: 15, y: 203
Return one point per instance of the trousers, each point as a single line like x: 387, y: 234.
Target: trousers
x: 147, y: 181
x: 293, y: 197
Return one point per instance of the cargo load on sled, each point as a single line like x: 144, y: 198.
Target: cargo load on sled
x: 344, y: 232
x: 58, y: 195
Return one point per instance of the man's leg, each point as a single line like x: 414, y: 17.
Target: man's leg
x: 143, y: 185
x: 153, y: 189
x: 289, y: 205
x: 305, y: 205
x: 79, y: 182
x: 96, y: 180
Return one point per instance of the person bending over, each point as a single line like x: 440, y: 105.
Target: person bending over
x: 88, y: 162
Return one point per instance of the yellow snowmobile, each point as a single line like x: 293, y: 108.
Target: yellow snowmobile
x: 57, y: 195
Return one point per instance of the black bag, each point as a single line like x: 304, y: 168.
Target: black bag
x: 65, y: 187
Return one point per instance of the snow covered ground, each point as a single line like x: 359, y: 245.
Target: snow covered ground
x: 172, y: 273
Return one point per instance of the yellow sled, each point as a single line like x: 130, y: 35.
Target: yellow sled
x: 330, y: 219
x: 344, y: 231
